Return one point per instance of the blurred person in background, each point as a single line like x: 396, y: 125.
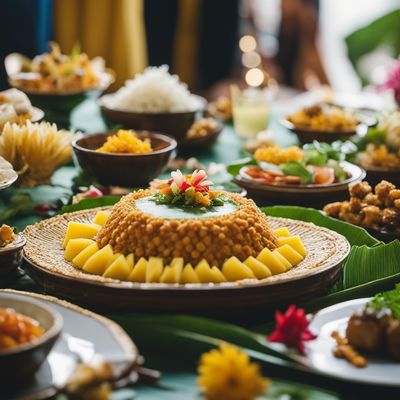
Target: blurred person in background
x: 197, y: 38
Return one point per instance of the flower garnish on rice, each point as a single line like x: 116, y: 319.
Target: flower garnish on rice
x: 188, y: 190
x: 291, y: 329
x: 227, y: 373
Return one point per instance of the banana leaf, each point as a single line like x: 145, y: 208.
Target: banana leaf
x: 90, y: 202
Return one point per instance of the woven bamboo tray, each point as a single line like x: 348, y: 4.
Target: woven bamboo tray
x: 44, y: 260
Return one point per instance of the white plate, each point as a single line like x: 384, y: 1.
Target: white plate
x: 380, y: 370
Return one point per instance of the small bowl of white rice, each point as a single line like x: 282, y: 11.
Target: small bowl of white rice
x: 154, y: 100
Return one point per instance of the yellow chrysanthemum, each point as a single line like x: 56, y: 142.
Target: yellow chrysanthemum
x: 227, y: 374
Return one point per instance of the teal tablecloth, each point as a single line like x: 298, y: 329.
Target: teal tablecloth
x: 174, y: 385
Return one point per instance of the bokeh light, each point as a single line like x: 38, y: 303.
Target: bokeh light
x: 251, y: 59
x: 254, y: 77
x: 247, y: 43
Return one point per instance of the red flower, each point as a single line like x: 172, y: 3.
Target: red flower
x: 292, y: 329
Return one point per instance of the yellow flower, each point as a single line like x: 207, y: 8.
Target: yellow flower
x: 227, y: 374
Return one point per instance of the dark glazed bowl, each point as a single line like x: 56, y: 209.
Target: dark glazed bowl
x: 175, y: 124
x: 24, y: 360
x: 10, y: 260
x: 126, y: 170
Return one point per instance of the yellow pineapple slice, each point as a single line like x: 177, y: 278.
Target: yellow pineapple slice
x: 290, y: 254
x: 101, y: 217
x: 155, y: 267
x: 168, y: 276
x: 119, y: 269
x: 271, y: 261
x: 97, y: 263
x: 217, y: 275
x: 203, y: 271
x: 138, y: 273
x: 189, y: 275
x: 234, y: 270
x: 282, y: 259
x: 75, y: 246
x: 80, y: 230
x: 259, y: 269
x: 85, y: 254
x: 130, y: 259
x: 281, y: 232
x: 294, y: 242
x: 177, y: 267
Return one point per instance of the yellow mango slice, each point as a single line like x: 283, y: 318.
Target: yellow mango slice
x: 155, y: 267
x: 189, y: 275
x: 85, y: 254
x: 138, y: 273
x: 75, y: 246
x: 271, y: 261
x: 168, y: 276
x: 218, y: 276
x: 234, y: 270
x: 80, y: 230
x: 294, y: 242
x: 282, y: 259
x: 177, y: 267
x: 130, y: 259
x: 281, y: 232
x: 98, y: 262
x: 290, y: 254
x: 203, y: 271
x: 119, y: 269
x: 101, y: 217
x: 259, y: 269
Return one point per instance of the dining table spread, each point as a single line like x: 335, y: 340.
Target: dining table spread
x: 178, y: 381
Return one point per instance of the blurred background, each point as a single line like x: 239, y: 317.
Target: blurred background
x: 302, y: 44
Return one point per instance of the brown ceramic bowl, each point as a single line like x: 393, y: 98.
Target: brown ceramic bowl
x: 377, y: 174
x: 175, y: 124
x: 10, y: 260
x: 126, y: 170
x: 24, y: 360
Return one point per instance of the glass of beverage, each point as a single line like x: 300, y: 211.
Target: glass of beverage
x: 251, y: 108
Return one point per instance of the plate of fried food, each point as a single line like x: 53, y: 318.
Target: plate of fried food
x: 376, y: 209
x: 358, y: 340
x: 181, y: 246
x: 296, y: 175
x: 327, y: 123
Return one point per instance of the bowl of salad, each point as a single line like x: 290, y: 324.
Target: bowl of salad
x: 307, y: 175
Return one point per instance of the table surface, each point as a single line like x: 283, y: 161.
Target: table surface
x: 174, y: 385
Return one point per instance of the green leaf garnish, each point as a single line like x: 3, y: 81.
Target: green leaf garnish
x: 296, y: 168
x: 389, y: 300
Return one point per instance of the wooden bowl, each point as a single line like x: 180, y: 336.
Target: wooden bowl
x: 126, y: 170
x: 45, y: 263
x: 304, y: 195
x: 175, y: 124
x: 192, y: 145
x: 24, y: 360
x: 10, y: 260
